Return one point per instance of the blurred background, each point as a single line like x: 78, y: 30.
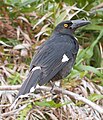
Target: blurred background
x: 26, y: 24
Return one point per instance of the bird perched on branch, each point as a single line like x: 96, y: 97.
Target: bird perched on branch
x: 55, y: 58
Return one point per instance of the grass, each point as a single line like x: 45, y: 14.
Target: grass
x: 24, y: 25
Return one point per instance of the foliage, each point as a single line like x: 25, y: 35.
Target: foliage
x: 25, y: 24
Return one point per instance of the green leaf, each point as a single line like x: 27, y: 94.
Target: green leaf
x: 88, y: 52
x: 50, y: 104
x: 93, y: 97
x: 94, y: 27
x: 89, y: 68
x: 60, y: 18
x: 15, y: 78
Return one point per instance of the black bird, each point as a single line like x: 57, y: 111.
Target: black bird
x: 55, y: 58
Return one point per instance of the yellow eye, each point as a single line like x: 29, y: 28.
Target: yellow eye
x: 65, y: 25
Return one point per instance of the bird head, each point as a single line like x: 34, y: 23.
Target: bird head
x: 69, y: 27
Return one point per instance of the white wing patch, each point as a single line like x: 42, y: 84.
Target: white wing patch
x: 76, y: 38
x: 65, y: 58
x: 36, y: 68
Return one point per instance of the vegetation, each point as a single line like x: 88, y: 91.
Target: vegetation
x: 24, y: 25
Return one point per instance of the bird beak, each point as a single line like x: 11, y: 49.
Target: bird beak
x: 79, y: 23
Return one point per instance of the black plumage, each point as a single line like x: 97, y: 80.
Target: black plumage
x: 55, y: 58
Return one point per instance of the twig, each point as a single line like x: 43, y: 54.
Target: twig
x: 98, y: 6
x: 74, y: 95
x: 15, y: 103
x: 13, y: 111
x: 7, y: 105
x: 10, y: 87
x: 60, y: 90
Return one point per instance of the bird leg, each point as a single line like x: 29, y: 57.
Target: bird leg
x: 52, y: 85
x: 55, y: 97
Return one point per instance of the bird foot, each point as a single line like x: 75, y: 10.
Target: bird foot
x: 52, y: 88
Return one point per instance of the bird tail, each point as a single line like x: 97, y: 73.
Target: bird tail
x: 31, y: 81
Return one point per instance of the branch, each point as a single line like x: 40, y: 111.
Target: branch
x: 10, y: 113
x: 10, y: 87
x: 73, y: 95
x: 59, y: 90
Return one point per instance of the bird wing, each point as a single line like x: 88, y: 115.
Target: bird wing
x: 50, y: 58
